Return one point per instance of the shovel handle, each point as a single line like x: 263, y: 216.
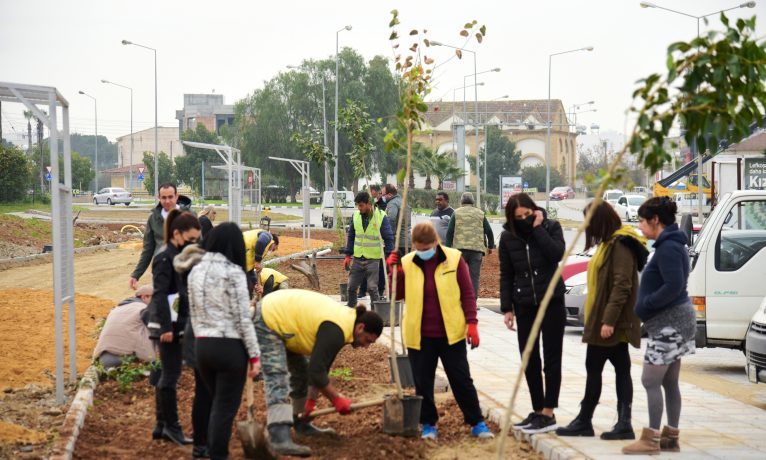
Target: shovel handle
x: 250, y: 404
x: 354, y: 407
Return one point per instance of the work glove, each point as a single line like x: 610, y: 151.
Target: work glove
x: 342, y: 405
x: 309, y: 407
x: 473, y: 335
x: 347, y: 263
x: 393, y: 259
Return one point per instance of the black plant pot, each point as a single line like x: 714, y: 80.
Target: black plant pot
x: 344, y: 292
x: 383, y: 308
x: 402, y: 417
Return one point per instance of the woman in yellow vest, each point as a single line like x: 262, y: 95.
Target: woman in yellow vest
x: 300, y: 332
x: 436, y: 286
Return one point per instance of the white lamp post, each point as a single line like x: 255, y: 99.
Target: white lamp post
x: 337, y: 78
x: 95, y: 110
x: 130, y: 167
x: 324, y: 125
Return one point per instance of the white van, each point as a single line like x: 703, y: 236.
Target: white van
x: 755, y: 345
x: 346, y: 207
x: 611, y: 196
x: 726, y: 282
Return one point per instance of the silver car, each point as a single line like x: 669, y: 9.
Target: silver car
x: 112, y: 196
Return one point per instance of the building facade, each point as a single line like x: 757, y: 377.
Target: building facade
x: 168, y: 141
x: 206, y: 109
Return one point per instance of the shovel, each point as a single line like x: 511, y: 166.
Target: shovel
x: 354, y: 408
x: 254, y: 443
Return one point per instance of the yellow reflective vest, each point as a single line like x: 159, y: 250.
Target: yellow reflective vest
x: 251, y: 238
x: 367, y: 241
x: 448, y: 291
x: 296, y: 314
x: 279, y: 278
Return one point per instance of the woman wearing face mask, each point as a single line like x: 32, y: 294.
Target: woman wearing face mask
x: 436, y: 286
x: 530, y: 249
x: 181, y: 229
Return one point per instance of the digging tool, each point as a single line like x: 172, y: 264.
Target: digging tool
x: 354, y: 408
x: 254, y: 442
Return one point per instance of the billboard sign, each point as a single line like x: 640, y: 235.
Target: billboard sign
x: 509, y: 186
x: 755, y: 174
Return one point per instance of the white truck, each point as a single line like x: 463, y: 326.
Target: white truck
x: 346, y: 207
x: 728, y: 258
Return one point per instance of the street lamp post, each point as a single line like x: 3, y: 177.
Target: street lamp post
x: 486, y: 138
x: 549, y: 121
x: 130, y: 167
x: 156, y: 138
x: 95, y: 110
x: 337, y: 78
x: 700, y: 191
x: 324, y: 125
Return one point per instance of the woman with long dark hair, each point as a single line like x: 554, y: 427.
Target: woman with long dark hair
x: 530, y: 249
x: 610, y: 323
x: 181, y: 229
x: 669, y: 319
x: 225, y: 337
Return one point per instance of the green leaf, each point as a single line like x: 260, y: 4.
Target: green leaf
x: 483, y: 30
x: 414, y: 32
x: 464, y: 33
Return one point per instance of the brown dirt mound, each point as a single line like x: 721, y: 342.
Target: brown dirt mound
x: 27, y: 335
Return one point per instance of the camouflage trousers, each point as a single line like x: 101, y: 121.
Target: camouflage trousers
x: 285, y: 375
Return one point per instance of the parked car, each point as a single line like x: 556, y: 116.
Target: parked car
x: 346, y: 207
x: 112, y: 196
x: 562, y: 193
x: 627, y: 206
x: 755, y: 345
x: 575, y: 276
x: 611, y: 196
x: 314, y: 196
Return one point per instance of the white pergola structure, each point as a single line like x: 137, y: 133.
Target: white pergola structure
x: 254, y: 203
x: 61, y: 188
x: 304, y: 168
x: 233, y: 159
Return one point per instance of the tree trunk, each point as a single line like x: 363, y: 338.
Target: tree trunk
x: 428, y: 182
x: 412, y: 180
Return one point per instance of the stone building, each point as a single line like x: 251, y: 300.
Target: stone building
x: 206, y: 109
x: 168, y: 141
x: 524, y: 122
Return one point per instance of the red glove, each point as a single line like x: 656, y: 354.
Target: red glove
x: 309, y: 407
x: 393, y: 259
x: 347, y: 263
x: 473, y: 335
x: 342, y: 405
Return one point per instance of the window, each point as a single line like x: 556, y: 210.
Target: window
x: 743, y: 235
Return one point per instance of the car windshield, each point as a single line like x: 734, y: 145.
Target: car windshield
x: 613, y: 195
x: 635, y: 200
x: 560, y: 189
x: 118, y: 190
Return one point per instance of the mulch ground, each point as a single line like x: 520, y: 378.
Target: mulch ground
x: 120, y: 423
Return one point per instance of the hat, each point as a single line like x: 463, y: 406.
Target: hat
x: 146, y: 289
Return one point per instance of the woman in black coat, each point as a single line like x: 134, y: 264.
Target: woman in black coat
x: 530, y: 249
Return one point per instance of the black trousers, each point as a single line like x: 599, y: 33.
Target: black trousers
x: 222, y: 365
x: 201, y: 406
x: 552, y: 331
x: 455, y: 361
x: 381, y: 282
x: 595, y: 358
x: 170, y: 357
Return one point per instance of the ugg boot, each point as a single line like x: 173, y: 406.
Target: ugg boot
x: 648, y: 444
x: 669, y: 439
x: 282, y: 443
x: 581, y: 425
x: 623, y: 428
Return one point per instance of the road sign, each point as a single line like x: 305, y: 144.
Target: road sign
x: 141, y: 171
x: 140, y: 177
x: 49, y: 169
x: 48, y: 177
x: 526, y: 184
x: 250, y: 179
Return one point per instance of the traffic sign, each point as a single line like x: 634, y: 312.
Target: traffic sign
x: 49, y: 169
x: 48, y: 177
x: 250, y: 179
x: 526, y: 184
x: 140, y: 177
x: 141, y: 171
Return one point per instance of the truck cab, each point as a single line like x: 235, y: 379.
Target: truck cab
x: 726, y: 281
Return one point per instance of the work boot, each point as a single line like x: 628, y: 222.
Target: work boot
x: 669, y: 439
x: 623, y: 428
x: 200, y: 452
x: 175, y: 433
x: 306, y: 428
x: 581, y: 425
x: 282, y: 443
x: 160, y: 424
x: 648, y: 444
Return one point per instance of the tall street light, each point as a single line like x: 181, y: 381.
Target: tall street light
x: 156, y: 141
x: 486, y: 137
x: 130, y: 167
x: 548, y: 133
x: 337, y: 78
x: 700, y: 192
x: 95, y: 110
x: 324, y: 124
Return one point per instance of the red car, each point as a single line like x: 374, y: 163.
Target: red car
x: 562, y: 193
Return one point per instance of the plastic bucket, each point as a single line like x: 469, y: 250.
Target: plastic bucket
x: 405, y: 371
x: 344, y: 292
x: 406, y: 422
x: 383, y: 308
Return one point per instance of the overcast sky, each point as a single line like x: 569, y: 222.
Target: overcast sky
x: 232, y: 46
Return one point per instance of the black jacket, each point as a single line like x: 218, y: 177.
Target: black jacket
x: 527, y: 266
x: 154, y: 235
x: 165, y: 281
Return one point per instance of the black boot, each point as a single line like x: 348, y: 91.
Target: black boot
x: 581, y: 425
x: 282, y: 443
x: 160, y: 424
x: 622, y: 429
x: 306, y: 428
x: 175, y: 433
x: 200, y: 452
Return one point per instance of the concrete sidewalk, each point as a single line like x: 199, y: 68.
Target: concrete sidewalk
x: 712, y: 426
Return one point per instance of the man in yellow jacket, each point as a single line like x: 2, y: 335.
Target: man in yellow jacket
x: 300, y: 332
x: 258, y: 243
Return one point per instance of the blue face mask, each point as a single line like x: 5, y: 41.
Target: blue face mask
x: 427, y: 254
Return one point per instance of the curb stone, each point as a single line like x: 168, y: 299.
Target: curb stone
x: 64, y: 447
x: 10, y: 262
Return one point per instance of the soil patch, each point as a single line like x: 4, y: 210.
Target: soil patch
x: 120, y: 424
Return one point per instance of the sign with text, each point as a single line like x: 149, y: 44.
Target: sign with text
x: 509, y: 186
x: 755, y: 174
x: 449, y: 185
